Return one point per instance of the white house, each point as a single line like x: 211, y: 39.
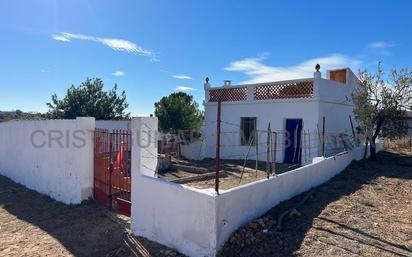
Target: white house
x: 295, y: 110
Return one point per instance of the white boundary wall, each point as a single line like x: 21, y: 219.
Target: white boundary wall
x: 198, y: 222
x: 113, y: 124
x: 53, y: 157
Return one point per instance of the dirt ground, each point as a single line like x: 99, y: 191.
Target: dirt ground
x: 32, y: 225
x: 364, y: 211
x: 230, y: 173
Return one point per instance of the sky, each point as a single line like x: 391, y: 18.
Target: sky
x: 152, y: 48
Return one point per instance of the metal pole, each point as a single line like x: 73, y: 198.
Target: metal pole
x: 247, y: 154
x: 257, y: 149
x: 110, y: 168
x: 268, y: 151
x: 274, y: 152
x: 219, y: 106
x: 310, y: 150
x: 323, y: 137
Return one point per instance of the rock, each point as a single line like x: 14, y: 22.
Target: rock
x: 265, y: 230
x: 253, y: 225
x: 261, y: 222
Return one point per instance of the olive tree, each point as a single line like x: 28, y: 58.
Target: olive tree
x: 380, y: 104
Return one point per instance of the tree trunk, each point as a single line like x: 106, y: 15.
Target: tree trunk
x: 372, y: 143
x: 365, y: 153
x: 373, y: 150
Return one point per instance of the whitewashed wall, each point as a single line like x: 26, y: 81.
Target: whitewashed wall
x: 193, y: 151
x: 275, y: 112
x: 330, y: 99
x: 114, y: 124
x: 53, y: 157
x: 144, y: 145
x: 176, y: 216
x: 238, y: 206
x: 198, y: 222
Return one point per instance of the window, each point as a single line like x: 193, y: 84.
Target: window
x: 247, y: 128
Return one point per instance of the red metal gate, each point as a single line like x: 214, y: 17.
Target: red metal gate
x: 112, y: 169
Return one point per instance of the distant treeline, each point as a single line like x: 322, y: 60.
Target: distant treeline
x: 20, y: 115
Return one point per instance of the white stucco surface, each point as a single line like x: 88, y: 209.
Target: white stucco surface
x: 144, y: 145
x: 53, y: 157
x: 273, y: 112
x: 114, y: 124
x: 178, y: 217
x: 193, y: 151
x: 198, y: 222
x: 330, y: 99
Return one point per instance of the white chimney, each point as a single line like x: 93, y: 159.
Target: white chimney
x: 227, y: 83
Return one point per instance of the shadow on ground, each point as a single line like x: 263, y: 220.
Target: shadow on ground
x: 35, y: 225
x: 32, y: 224
x: 322, y: 227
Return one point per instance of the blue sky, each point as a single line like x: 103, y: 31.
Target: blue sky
x: 152, y: 48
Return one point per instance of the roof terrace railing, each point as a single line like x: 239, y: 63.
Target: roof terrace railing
x: 263, y: 91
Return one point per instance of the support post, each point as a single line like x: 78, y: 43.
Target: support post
x: 274, y: 152
x: 268, y: 151
x: 217, y: 159
x: 110, y: 136
x: 310, y: 149
x: 323, y: 137
x: 257, y: 149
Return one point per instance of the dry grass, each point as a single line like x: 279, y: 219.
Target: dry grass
x: 398, y: 144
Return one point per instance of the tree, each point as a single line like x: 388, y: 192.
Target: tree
x: 380, y: 104
x: 89, y: 100
x: 178, y: 112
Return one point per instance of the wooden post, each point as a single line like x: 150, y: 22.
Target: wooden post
x: 217, y: 160
x: 268, y: 151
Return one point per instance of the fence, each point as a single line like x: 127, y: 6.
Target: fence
x: 198, y: 222
x: 302, y: 88
x: 112, y: 169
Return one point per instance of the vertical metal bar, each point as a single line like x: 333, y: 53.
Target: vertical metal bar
x: 268, y: 151
x: 110, y: 169
x: 323, y: 137
x: 247, y: 154
x: 275, y: 151
x: 94, y: 163
x: 257, y: 148
x: 217, y: 160
x: 310, y: 149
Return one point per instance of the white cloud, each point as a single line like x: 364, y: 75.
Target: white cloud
x: 113, y: 43
x: 381, y: 45
x: 61, y: 38
x: 118, y: 73
x: 259, y: 72
x: 183, y: 77
x: 184, y: 88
